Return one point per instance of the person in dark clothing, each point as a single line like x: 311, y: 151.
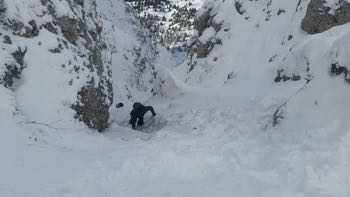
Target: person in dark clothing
x: 137, y: 113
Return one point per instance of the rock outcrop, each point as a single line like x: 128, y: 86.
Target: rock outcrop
x: 60, y: 38
x: 205, y: 38
x: 170, y: 22
x: 319, y: 17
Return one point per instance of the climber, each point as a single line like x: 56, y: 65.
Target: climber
x: 137, y: 113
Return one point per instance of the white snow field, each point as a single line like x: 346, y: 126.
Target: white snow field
x: 213, y: 135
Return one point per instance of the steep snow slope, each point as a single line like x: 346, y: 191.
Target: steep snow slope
x: 230, y: 121
x: 138, y: 64
x: 54, y: 58
x: 55, y: 66
x: 263, y: 54
x: 292, y: 82
x: 235, y: 131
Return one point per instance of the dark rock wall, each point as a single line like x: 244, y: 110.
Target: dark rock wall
x: 319, y: 19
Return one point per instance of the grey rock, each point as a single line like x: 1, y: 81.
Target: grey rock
x: 50, y: 27
x: 7, y: 39
x: 318, y: 19
x: 18, y: 28
x: 13, y: 70
x: 18, y: 55
x: 91, y: 108
x: 70, y: 27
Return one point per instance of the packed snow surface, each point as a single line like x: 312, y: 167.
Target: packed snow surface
x: 211, y: 136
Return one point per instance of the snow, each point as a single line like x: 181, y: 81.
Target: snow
x: 207, y: 35
x: 48, y: 92
x: 213, y: 136
x: 334, y: 5
x: 26, y: 9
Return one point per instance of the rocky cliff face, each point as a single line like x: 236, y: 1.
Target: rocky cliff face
x: 323, y: 15
x: 134, y: 55
x: 55, y: 59
x: 170, y: 22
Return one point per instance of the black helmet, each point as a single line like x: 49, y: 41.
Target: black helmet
x: 137, y: 105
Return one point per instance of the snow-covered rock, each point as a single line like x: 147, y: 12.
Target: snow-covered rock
x: 53, y: 52
x: 170, y: 22
x: 134, y: 56
x: 78, y: 41
x: 323, y: 15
